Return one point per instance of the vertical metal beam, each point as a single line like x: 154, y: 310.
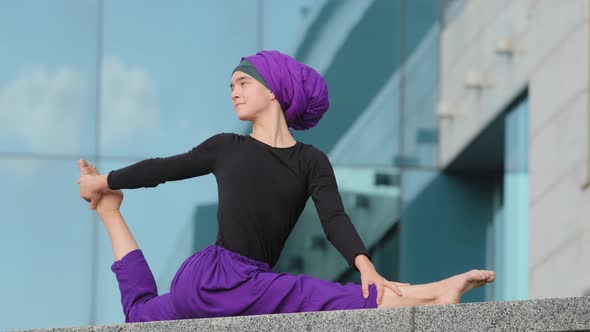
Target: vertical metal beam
x: 402, y: 92
x: 97, y: 125
x: 586, y: 135
x: 260, y: 29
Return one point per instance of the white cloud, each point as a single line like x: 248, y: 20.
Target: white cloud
x: 129, y: 102
x: 43, y: 111
x: 53, y: 111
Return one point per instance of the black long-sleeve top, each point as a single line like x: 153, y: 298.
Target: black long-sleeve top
x: 262, y: 192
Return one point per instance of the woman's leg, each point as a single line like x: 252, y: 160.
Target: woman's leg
x: 139, y: 294
x: 447, y: 291
x: 108, y: 210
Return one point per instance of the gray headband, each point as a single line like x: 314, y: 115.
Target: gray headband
x: 246, y: 67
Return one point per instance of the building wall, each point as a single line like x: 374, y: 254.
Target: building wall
x: 550, y: 39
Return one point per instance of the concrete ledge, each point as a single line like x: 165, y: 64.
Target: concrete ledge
x: 561, y: 314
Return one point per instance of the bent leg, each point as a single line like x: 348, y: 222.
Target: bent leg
x: 139, y: 294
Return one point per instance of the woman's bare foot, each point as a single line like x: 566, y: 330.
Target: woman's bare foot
x: 447, y: 291
x: 450, y: 290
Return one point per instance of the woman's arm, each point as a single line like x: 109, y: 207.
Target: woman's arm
x: 339, y: 230
x: 151, y: 172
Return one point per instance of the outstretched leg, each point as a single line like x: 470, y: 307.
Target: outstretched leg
x: 447, y: 291
x: 139, y: 294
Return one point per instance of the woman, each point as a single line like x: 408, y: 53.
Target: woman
x: 264, y: 181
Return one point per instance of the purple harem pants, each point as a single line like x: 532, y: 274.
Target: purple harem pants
x: 217, y: 282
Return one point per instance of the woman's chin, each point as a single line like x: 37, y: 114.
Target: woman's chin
x: 243, y: 117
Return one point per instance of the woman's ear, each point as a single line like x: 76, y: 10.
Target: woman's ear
x: 272, y: 95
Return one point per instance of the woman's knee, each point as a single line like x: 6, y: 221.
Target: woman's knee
x: 157, y: 308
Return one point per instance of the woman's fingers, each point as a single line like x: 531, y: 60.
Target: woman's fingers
x: 81, y: 163
x: 379, y: 292
x: 394, y: 288
x: 365, y: 287
x: 93, y: 203
x: 86, y: 168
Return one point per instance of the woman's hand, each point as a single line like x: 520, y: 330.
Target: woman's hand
x: 109, y: 200
x: 92, y: 184
x: 370, y: 276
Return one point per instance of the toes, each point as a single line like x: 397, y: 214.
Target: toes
x: 481, y: 275
x: 488, y: 275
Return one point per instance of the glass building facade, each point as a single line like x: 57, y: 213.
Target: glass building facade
x: 118, y: 82
x: 112, y: 82
x: 383, y: 77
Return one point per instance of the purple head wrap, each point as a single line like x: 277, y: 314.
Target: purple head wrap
x: 299, y: 89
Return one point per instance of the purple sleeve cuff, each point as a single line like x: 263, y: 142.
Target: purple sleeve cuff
x: 132, y: 256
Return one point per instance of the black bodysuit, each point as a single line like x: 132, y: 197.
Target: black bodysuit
x: 262, y: 192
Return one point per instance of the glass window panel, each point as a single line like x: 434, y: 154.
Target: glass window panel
x: 516, y: 139
x: 421, y: 51
x: 437, y: 240
x: 165, y: 78
x: 420, y: 131
x: 283, y: 22
x: 511, y: 222
x: 48, y: 76
x: 360, y: 133
x: 420, y: 16
x: 370, y: 196
x: 364, y: 63
x: 46, y: 241
x: 372, y: 139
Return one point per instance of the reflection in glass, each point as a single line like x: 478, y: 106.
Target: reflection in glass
x: 420, y: 87
x: 165, y: 78
x: 510, y: 229
x: 46, y: 244
x: 369, y: 196
x: 48, y: 77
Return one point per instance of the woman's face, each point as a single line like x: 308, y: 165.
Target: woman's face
x: 249, y: 96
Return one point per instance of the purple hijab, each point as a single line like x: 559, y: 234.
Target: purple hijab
x: 299, y: 89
